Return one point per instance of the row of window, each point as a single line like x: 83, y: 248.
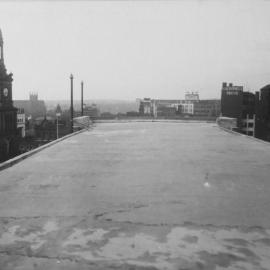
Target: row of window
x: 20, y: 120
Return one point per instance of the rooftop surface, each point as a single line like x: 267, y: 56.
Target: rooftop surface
x: 146, y: 195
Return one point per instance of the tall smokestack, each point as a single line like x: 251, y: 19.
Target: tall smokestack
x: 82, y: 98
x: 71, y: 103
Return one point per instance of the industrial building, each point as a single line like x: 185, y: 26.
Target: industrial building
x: 207, y: 107
x: 231, y: 101
x: 252, y: 111
x: 146, y: 107
x: 21, y: 121
x: 92, y: 111
x: 262, y: 111
x: 33, y: 107
x: 240, y: 105
x: 191, y: 106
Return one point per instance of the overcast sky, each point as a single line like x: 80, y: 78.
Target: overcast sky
x: 129, y: 49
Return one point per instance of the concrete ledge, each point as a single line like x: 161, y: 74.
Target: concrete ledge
x: 244, y: 135
x: 154, y: 120
x: 15, y: 160
x: 227, y: 122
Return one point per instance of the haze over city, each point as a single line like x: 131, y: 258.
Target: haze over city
x: 130, y: 49
x: 160, y: 160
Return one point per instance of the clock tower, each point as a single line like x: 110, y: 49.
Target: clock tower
x: 8, y: 113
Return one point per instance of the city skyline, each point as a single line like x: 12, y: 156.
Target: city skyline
x: 130, y: 49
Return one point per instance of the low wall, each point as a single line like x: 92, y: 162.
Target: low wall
x: 81, y: 122
x: 227, y: 123
x: 13, y: 161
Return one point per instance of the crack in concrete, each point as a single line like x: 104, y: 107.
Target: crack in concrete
x: 191, y: 224
x: 99, y: 215
x: 59, y: 258
x: 41, y: 217
x: 115, y: 263
x: 136, y: 206
x: 20, y: 218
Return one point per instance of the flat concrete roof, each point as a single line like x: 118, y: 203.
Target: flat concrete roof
x: 150, y: 195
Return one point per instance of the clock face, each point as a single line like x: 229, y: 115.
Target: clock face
x: 5, y: 92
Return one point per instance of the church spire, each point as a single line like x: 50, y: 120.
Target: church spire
x: 3, y: 71
x: 1, y: 46
x: 1, y: 37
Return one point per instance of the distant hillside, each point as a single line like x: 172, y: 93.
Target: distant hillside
x: 112, y: 106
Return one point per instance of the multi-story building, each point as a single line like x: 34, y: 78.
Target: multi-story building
x: 8, y: 113
x: 21, y: 121
x: 45, y: 129
x: 207, y: 108
x: 92, y: 111
x: 173, y: 106
x: 231, y: 101
x: 192, y: 96
x: 165, y: 107
x: 190, y: 106
x: 146, y: 107
x: 248, y: 105
x: 166, y: 112
x: 262, y: 111
x: 238, y: 104
x: 33, y: 107
x: 186, y: 108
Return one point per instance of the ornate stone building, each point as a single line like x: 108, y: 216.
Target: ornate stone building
x: 8, y: 113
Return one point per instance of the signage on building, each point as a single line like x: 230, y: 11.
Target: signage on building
x: 232, y: 93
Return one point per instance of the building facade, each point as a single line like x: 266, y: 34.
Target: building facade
x: 186, y: 108
x: 191, y: 106
x: 8, y: 113
x: 248, y: 105
x: 262, y: 111
x: 207, y: 108
x: 92, y: 111
x: 240, y: 105
x: 231, y: 101
x: 21, y: 122
x: 192, y: 96
x: 146, y: 107
x: 33, y: 107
